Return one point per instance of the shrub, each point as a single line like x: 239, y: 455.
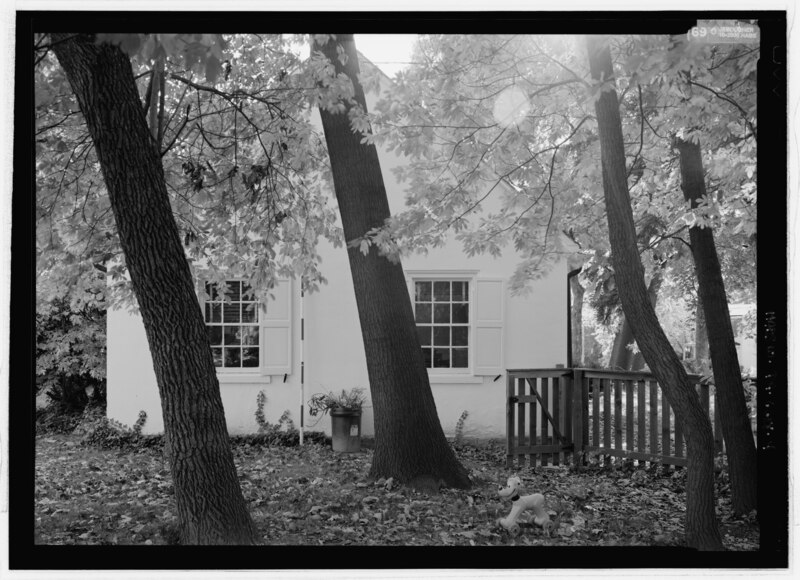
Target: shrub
x: 460, y: 427
x: 111, y: 434
x: 277, y: 438
x: 284, y: 433
x: 51, y: 420
x: 71, y: 347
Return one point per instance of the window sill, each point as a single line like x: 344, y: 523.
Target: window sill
x: 454, y: 379
x: 228, y: 378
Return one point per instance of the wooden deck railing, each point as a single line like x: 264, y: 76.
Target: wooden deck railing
x: 562, y: 415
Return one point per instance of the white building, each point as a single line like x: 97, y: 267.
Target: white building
x: 474, y: 329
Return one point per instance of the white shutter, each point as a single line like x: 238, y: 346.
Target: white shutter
x: 276, y: 328
x: 489, y: 313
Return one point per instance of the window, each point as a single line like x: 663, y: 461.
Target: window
x: 231, y: 315
x: 441, y: 310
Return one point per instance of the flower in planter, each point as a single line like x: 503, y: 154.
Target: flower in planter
x: 351, y: 400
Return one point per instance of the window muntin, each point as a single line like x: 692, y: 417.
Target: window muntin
x: 441, y: 311
x: 232, y: 323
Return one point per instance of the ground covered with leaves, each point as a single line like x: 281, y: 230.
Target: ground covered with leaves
x: 311, y: 495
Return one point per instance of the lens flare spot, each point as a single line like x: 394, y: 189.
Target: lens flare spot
x: 511, y: 107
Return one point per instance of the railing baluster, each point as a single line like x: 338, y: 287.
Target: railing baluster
x: 665, y: 426
x: 559, y: 424
x: 579, y: 416
x: 583, y: 385
x: 596, y: 414
x: 521, y: 419
x: 534, y: 424
x: 606, y: 389
x: 653, y: 417
x: 617, y: 415
x: 641, y: 427
x: 510, y: 447
x: 545, y: 423
x: 566, y: 414
x: 629, y: 386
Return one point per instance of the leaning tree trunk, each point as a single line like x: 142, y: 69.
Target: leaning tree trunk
x: 210, y: 505
x: 702, y: 531
x: 621, y: 354
x: 736, y: 430
x: 409, y: 442
x: 637, y: 361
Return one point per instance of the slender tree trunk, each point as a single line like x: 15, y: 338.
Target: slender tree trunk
x: 409, y: 442
x: 576, y: 320
x: 702, y: 531
x: 211, y: 508
x: 637, y: 361
x: 736, y: 430
x: 700, y: 336
x: 621, y: 354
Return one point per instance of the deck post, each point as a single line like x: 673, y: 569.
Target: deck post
x: 509, y: 419
x: 577, y: 417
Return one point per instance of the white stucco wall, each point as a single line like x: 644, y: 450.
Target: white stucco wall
x: 130, y: 379
x: 534, y: 336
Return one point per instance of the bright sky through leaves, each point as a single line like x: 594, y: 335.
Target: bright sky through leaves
x: 390, y: 52
x: 511, y: 106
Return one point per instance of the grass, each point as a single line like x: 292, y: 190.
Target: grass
x: 311, y: 495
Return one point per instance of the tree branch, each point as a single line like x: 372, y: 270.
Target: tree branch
x: 732, y: 102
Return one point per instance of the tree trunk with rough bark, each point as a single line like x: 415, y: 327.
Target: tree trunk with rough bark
x: 410, y: 445
x: 210, y: 505
x: 622, y: 356
x: 701, y: 527
x: 736, y: 430
x: 637, y: 361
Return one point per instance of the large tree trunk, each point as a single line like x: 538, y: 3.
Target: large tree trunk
x: 702, y: 531
x: 736, y: 430
x: 409, y: 442
x: 210, y: 505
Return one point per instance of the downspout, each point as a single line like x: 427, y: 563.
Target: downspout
x: 302, y: 357
x: 570, y: 276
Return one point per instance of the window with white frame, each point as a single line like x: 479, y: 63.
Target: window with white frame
x: 441, y: 311
x: 232, y: 320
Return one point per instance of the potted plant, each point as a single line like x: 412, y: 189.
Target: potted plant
x: 345, y: 410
